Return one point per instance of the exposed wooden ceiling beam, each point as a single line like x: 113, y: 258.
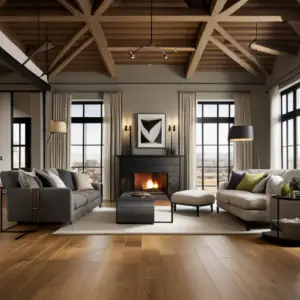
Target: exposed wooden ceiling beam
x: 240, y: 48
x: 296, y: 26
x: 69, y: 58
x: 204, y: 34
x: 235, y: 7
x: 103, y: 7
x: 98, y: 34
x: 233, y: 55
x: 69, y: 45
x: 152, y: 49
x: 70, y: 8
x: 275, y: 48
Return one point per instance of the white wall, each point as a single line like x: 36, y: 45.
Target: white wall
x: 154, y: 89
x: 5, y: 131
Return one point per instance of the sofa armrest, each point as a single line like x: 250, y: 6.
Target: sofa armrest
x: 223, y: 185
x: 39, y: 205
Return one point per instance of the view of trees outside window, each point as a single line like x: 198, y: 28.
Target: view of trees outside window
x: 290, y: 124
x: 87, y: 139
x: 214, y: 154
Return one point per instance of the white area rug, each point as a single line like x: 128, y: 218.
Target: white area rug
x: 103, y: 221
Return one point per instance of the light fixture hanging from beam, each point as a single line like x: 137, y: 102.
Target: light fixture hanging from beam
x: 150, y: 43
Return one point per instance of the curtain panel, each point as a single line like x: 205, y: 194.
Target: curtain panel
x: 243, y: 151
x: 187, y: 137
x: 58, y: 148
x: 112, y: 125
x: 275, y: 127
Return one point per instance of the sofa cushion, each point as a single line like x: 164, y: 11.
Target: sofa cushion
x: 243, y: 199
x: 79, y: 200
x: 10, y: 179
x: 235, y: 179
x: 249, y: 181
x: 89, y: 194
x: 67, y: 178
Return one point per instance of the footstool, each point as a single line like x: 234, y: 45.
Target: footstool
x: 195, y: 198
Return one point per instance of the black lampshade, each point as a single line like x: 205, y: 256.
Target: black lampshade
x: 240, y: 133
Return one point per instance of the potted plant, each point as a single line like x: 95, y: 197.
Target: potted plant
x: 295, y: 186
x: 285, y: 190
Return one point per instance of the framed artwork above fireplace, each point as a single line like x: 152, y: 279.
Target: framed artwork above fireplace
x: 151, y: 130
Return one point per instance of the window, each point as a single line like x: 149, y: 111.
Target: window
x: 213, y: 151
x: 290, y: 128
x: 21, y: 153
x: 87, y: 138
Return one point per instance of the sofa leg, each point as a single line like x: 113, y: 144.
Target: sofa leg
x: 247, y: 226
x: 211, y: 208
x: 174, y: 207
x: 197, y: 211
x: 218, y: 210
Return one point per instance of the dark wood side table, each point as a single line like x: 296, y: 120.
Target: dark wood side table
x: 5, y: 225
x: 274, y: 235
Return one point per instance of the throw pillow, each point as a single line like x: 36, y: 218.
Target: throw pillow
x: 274, y: 185
x: 29, y: 180
x: 67, y: 178
x: 261, y: 186
x: 96, y: 185
x: 83, y: 181
x: 235, y: 179
x: 52, y: 170
x: 249, y: 181
x: 45, y: 178
x: 57, y: 181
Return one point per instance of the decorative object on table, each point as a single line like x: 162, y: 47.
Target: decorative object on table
x: 151, y: 130
x: 285, y: 190
x: 140, y: 194
x: 126, y: 129
x: 295, y: 186
x: 171, y: 129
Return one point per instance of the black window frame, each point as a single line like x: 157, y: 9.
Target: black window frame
x: 89, y: 120
x: 27, y: 145
x: 286, y: 117
x: 215, y: 120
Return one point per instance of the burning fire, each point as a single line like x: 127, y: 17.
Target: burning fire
x: 151, y: 185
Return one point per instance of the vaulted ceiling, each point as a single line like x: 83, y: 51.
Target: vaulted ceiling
x: 201, y: 35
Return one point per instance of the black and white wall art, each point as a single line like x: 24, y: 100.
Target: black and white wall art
x: 151, y: 130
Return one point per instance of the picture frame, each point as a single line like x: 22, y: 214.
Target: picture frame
x: 151, y: 130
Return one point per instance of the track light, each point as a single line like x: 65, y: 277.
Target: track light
x: 165, y: 56
x: 132, y: 56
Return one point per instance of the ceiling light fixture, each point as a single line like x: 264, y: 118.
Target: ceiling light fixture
x: 150, y: 43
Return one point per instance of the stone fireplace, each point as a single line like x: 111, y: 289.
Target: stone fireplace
x: 157, y: 174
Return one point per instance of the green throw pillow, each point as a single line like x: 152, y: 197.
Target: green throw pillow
x: 249, y: 181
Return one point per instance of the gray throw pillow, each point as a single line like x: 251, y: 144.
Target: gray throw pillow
x: 83, y: 182
x: 261, y: 186
x: 45, y: 178
x: 29, y: 180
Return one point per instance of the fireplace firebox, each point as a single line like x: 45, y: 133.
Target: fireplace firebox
x: 154, y: 182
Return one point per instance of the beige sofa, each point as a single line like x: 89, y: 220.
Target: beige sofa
x: 252, y: 207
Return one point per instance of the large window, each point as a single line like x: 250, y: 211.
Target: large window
x: 21, y: 153
x: 87, y: 138
x: 290, y: 128
x: 214, y: 152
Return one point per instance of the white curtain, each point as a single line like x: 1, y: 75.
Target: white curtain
x: 243, y: 153
x: 112, y: 142
x: 187, y: 137
x: 58, y: 150
x: 275, y: 128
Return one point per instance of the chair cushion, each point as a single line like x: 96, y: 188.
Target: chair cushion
x: 79, y: 200
x: 193, y: 197
x: 67, y: 178
x: 243, y: 199
x: 89, y: 195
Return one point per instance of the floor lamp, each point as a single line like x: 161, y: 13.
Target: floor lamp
x: 242, y: 133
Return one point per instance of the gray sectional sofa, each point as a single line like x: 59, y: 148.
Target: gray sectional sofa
x: 48, y: 204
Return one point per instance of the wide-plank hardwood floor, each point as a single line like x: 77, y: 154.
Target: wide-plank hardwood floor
x: 44, y: 266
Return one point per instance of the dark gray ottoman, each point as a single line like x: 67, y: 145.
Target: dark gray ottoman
x: 135, y: 210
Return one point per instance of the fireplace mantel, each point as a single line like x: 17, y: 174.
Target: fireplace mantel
x: 130, y: 164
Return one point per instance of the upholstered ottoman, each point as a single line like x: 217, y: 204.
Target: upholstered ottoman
x: 195, y: 198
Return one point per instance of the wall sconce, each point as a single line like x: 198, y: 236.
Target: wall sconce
x: 128, y: 128
x: 171, y: 129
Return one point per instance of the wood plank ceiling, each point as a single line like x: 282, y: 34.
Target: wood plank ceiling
x: 125, y: 23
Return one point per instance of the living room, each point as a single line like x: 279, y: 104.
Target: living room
x: 153, y: 144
